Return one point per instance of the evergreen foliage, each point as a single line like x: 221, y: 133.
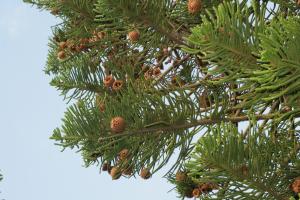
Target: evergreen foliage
x: 216, y: 81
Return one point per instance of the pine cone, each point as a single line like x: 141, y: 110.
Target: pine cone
x: 124, y: 154
x: 106, y: 167
x: 134, y: 36
x: 296, y: 185
x: 117, y: 124
x: 117, y: 85
x: 61, y: 55
x: 145, y: 173
x: 207, y: 187
x: 108, y: 81
x: 196, y: 193
x: 194, y: 6
x: 115, y: 173
x: 62, y: 45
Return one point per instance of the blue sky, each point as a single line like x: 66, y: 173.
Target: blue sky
x: 33, y: 167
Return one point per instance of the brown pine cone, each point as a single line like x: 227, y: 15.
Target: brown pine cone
x: 196, y: 192
x: 124, y: 154
x: 62, y: 45
x: 194, y: 6
x: 207, y: 187
x: 61, y: 55
x: 134, y: 36
x: 108, y: 81
x: 295, y: 186
x: 145, y: 173
x: 117, y: 85
x: 115, y: 173
x: 117, y: 124
x: 106, y: 167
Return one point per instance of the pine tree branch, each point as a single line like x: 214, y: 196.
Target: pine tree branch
x: 201, y: 122
x: 256, y: 184
x: 82, y: 87
x: 246, y: 132
x: 175, y: 64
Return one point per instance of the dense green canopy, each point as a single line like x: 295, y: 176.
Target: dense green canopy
x: 213, y: 83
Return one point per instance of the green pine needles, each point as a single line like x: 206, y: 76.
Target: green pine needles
x: 259, y: 167
x: 213, y: 83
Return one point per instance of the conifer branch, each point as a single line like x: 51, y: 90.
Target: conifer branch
x: 201, y: 122
x: 175, y: 64
x: 240, y: 63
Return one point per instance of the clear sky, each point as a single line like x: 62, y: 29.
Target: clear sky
x: 33, y: 167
